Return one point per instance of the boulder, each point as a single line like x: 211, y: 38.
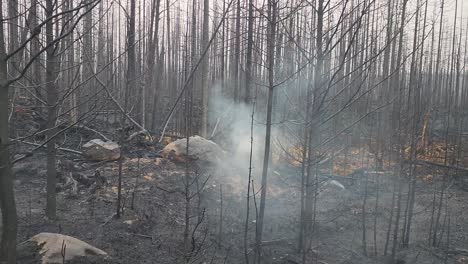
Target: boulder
x: 98, y: 150
x: 50, y: 248
x: 200, y: 149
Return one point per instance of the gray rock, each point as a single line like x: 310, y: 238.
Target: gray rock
x: 98, y: 150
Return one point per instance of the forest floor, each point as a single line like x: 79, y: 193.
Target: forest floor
x: 152, y: 223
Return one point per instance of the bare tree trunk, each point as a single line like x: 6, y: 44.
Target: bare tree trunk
x: 271, y: 39
x: 305, y: 170
x: 188, y: 114
x: 7, y: 195
x: 248, y: 66
x: 436, y: 93
x: 204, y: 69
x: 314, y: 130
x: 13, y: 25
x: 237, y: 50
x: 131, y: 55
x: 69, y: 63
x: 416, y: 121
x: 129, y: 88
x: 193, y: 50
x: 14, y: 61
x: 171, y: 52
x: 36, y: 67
x: 151, y: 82
x: 390, y: 221
x: 52, y: 98
x: 88, y: 55
x: 398, y: 83
x: 376, y: 213
x: 246, y: 226
x: 364, y: 216
x: 223, y: 46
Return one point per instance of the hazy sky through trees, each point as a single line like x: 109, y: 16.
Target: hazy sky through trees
x: 182, y: 15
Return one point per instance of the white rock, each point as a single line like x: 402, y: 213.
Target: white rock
x: 51, y: 246
x: 200, y: 149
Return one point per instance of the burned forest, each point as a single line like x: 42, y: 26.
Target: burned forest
x: 234, y: 131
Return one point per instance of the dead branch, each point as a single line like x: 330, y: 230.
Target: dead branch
x: 196, y: 228
x: 122, y: 110
x: 42, y: 145
x: 94, y: 131
x: 143, y: 236
x: 141, y: 132
x: 70, y: 181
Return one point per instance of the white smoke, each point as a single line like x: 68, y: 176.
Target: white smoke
x: 233, y: 132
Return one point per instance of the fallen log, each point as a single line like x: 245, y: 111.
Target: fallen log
x: 458, y: 251
x: 430, y: 163
x: 275, y: 242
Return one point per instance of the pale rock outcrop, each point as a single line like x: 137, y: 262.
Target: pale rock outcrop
x: 200, y: 149
x: 53, y: 248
